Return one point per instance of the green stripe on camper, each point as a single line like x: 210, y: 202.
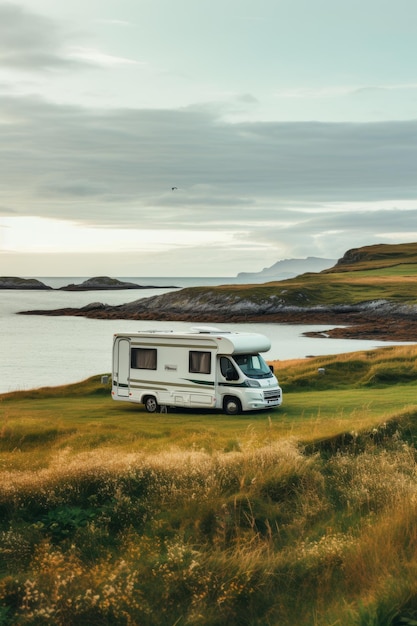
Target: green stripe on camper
x: 137, y: 383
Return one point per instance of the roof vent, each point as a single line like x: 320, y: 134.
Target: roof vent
x: 206, y: 329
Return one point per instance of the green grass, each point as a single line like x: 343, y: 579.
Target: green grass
x: 356, y: 391
x: 402, y: 269
x: 303, y: 515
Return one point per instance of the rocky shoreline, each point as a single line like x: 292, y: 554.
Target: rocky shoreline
x: 379, y: 320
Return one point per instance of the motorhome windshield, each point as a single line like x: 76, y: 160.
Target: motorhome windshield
x: 253, y: 365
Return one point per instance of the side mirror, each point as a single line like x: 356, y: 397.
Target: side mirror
x: 271, y: 367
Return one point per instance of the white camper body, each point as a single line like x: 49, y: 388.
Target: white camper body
x: 203, y: 368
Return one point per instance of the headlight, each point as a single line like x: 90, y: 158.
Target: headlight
x: 250, y: 382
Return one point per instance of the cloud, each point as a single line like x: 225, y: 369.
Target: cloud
x: 54, y: 156
x: 28, y: 40
x: 387, y: 87
x: 315, y: 92
x: 98, y: 58
x: 33, y: 42
x: 302, y: 186
x: 337, y: 91
x: 334, y: 229
x: 114, y: 22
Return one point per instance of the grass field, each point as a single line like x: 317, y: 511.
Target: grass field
x: 303, y: 515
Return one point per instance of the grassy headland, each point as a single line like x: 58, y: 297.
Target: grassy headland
x: 303, y: 515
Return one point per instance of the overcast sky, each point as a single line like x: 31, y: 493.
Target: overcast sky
x: 203, y: 137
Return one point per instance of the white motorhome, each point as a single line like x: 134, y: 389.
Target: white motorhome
x: 203, y: 368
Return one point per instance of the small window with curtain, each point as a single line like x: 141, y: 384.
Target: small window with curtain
x: 200, y: 362
x: 143, y: 358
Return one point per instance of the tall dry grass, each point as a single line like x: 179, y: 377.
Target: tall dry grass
x: 273, y: 535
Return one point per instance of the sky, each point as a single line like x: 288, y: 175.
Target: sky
x: 203, y: 137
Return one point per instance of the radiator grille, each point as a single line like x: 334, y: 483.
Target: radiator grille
x: 272, y: 394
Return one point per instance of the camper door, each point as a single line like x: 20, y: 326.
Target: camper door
x: 121, y: 366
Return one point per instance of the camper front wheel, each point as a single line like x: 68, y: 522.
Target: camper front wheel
x: 151, y: 404
x: 232, y: 406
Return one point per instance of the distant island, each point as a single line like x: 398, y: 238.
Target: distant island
x: 99, y: 283
x: 13, y: 282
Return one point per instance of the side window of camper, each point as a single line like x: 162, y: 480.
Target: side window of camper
x: 143, y: 358
x: 227, y: 369
x: 200, y: 362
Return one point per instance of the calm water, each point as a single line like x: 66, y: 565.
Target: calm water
x: 39, y: 351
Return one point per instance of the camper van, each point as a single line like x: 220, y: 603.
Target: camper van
x: 202, y: 368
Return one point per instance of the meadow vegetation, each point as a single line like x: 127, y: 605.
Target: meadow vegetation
x: 303, y: 515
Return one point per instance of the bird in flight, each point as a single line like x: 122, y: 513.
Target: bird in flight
x: 173, y: 188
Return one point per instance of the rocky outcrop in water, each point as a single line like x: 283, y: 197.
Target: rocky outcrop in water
x: 13, y: 282
x: 105, y: 283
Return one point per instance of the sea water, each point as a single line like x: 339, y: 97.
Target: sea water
x: 38, y: 351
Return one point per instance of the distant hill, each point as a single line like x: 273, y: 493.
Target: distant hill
x: 287, y: 268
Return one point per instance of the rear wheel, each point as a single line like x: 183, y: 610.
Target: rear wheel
x: 151, y: 404
x: 232, y: 405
